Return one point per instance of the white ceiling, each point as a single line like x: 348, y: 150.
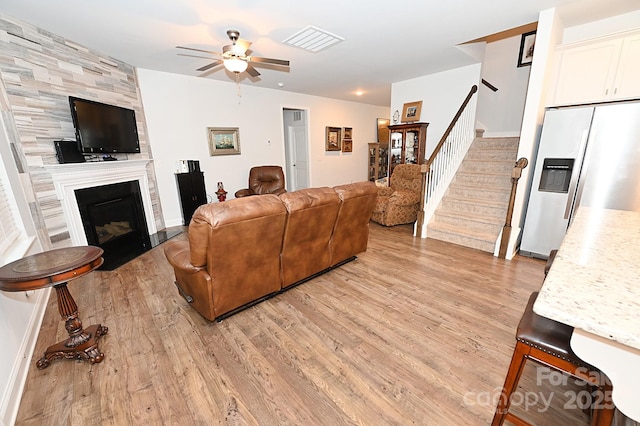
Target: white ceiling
x: 385, y: 42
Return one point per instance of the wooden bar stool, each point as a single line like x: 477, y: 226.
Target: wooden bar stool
x: 547, y: 342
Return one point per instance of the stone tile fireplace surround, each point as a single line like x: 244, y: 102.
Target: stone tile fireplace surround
x: 69, y: 177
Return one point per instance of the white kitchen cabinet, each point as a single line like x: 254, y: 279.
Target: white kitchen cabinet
x: 598, y: 71
x: 627, y: 83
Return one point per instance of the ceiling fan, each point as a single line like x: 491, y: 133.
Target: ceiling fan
x: 234, y: 56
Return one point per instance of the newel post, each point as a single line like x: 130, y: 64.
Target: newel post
x: 506, y: 230
x: 424, y: 169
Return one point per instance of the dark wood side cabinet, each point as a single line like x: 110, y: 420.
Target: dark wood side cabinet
x: 407, y: 144
x: 192, y: 193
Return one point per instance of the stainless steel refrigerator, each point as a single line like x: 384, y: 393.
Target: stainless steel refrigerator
x: 587, y: 155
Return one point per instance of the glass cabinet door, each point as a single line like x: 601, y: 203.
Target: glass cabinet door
x: 396, y: 150
x: 383, y: 161
x: 372, y: 161
x: 410, y: 153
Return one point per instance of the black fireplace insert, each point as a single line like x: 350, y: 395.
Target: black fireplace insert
x: 113, y: 219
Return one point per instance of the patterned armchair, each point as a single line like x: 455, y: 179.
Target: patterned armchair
x: 400, y: 202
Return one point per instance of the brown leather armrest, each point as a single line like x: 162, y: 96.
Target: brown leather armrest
x: 179, y: 256
x: 243, y: 193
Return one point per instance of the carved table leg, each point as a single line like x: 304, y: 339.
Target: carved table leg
x: 81, y: 344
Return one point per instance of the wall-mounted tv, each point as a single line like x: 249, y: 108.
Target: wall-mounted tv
x: 102, y: 128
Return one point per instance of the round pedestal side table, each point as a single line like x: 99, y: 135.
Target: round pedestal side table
x: 56, y: 268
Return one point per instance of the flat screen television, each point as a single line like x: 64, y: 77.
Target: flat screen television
x: 102, y: 128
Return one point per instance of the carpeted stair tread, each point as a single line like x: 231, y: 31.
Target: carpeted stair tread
x: 447, y: 227
x: 472, y: 212
x: 462, y: 236
x: 451, y: 216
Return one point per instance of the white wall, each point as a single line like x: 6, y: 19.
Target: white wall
x: 441, y: 95
x: 548, y: 35
x: 178, y: 110
x: 603, y: 27
x: 500, y: 113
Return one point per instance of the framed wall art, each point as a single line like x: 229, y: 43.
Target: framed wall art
x: 527, y: 43
x: 334, y: 138
x: 347, y: 142
x: 411, y: 112
x: 223, y: 140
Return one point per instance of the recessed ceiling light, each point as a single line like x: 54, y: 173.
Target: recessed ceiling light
x: 359, y: 93
x: 280, y: 84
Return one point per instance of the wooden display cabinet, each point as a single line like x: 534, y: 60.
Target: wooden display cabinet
x: 378, y: 160
x: 408, y: 143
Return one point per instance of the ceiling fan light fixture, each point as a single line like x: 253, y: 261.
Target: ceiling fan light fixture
x: 235, y: 65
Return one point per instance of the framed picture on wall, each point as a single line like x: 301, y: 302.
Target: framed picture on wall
x: 527, y: 44
x: 347, y: 142
x: 223, y: 140
x: 334, y: 139
x: 411, y: 111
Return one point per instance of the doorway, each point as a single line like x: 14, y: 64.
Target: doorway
x: 296, y: 143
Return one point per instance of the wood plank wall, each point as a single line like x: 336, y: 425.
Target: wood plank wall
x: 38, y: 72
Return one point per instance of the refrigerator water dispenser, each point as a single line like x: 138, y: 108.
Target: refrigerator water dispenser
x: 556, y: 175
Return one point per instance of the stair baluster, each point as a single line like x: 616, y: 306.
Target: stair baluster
x: 441, y: 166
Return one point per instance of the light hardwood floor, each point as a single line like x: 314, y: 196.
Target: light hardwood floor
x: 412, y: 332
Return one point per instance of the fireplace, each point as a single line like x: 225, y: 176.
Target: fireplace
x: 69, y: 179
x: 113, y: 218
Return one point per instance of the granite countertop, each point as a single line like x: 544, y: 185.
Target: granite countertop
x: 594, y: 283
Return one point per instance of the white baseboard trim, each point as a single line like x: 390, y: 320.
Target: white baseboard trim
x: 10, y: 399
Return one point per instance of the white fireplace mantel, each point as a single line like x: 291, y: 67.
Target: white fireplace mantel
x: 69, y: 177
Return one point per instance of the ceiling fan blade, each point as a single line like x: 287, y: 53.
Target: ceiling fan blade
x: 270, y: 61
x: 209, y: 66
x: 252, y: 71
x: 198, y: 50
x: 242, y: 45
x: 194, y: 56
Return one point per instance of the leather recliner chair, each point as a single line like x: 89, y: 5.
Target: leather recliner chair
x: 264, y: 180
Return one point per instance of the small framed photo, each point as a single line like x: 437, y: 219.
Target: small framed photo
x: 348, y: 131
x: 347, y: 145
x: 527, y: 43
x: 223, y: 140
x: 334, y: 139
x: 411, y: 112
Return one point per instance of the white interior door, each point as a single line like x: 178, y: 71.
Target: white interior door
x: 297, y: 152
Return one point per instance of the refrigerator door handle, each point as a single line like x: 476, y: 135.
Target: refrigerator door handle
x: 575, y: 176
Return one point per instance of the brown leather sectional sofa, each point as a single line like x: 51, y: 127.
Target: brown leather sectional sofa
x: 247, y: 249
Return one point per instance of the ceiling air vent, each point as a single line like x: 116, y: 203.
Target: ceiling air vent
x: 313, y: 39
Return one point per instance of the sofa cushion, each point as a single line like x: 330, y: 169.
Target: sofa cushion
x: 209, y: 216
x: 310, y: 222
x: 244, y: 239
x: 351, y: 231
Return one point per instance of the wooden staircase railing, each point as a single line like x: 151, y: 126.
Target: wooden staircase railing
x: 443, y: 163
x: 506, y: 230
